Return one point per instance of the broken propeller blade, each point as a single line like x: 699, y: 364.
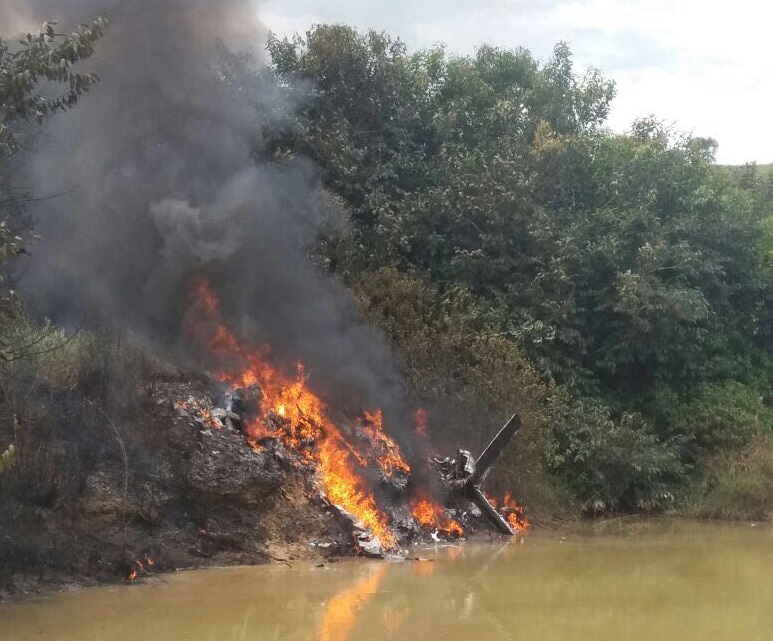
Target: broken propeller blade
x: 483, y: 464
x: 493, y: 450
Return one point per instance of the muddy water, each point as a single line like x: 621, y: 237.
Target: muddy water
x: 654, y: 581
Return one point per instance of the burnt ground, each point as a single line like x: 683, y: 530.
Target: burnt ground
x: 184, y: 496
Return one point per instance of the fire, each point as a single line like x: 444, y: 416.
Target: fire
x: 432, y: 515
x: 142, y: 568
x: 200, y: 412
x: 512, y: 512
x: 206, y: 298
x: 294, y: 414
x: 388, y: 455
x: 341, y: 611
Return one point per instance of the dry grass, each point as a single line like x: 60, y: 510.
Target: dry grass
x: 739, y: 486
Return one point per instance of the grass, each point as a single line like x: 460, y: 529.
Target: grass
x: 739, y: 486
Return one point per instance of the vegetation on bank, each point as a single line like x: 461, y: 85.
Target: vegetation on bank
x: 614, y: 289
x: 41, y: 370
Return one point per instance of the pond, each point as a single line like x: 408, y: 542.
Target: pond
x: 654, y: 581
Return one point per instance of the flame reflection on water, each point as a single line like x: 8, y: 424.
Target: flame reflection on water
x: 341, y: 610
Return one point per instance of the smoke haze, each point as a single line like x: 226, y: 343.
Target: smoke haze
x: 159, y: 165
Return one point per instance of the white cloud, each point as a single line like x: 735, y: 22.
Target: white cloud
x: 703, y: 65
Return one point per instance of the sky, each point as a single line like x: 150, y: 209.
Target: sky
x: 702, y: 66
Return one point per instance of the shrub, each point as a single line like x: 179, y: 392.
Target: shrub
x: 738, y: 485
x: 723, y: 416
x: 611, y: 464
x: 470, y: 377
x: 52, y: 403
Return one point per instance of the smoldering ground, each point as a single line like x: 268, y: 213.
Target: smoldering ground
x: 160, y: 167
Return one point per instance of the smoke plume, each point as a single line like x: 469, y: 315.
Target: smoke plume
x: 161, y: 168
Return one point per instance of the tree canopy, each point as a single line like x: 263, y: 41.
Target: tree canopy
x: 46, y: 57
x: 629, y: 269
x: 30, y: 72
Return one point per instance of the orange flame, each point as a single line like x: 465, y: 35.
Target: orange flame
x: 387, y: 452
x: 141, y: 568
x: 432, y: 515
x: 512, y: 512
x: 202, y: 413
x: 294, y: 414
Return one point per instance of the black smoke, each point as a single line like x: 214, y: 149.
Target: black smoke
x: 165, y: 179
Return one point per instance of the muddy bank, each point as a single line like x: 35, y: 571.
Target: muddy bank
x: 161, y: 492
x: 119, y: 477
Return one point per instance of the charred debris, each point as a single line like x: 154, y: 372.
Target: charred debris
x: 448, y: 508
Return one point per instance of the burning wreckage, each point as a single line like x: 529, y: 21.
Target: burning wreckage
x: 358, y: 471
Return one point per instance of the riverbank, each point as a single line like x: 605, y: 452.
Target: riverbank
x: 91, y: 499
x: 159, y: 491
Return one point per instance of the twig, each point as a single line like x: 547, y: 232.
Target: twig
x: 275, y: 558
x: 17, y: 353
x: 26, y: 200
x: 125, y: 469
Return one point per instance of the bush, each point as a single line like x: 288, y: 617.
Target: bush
x: 738, y: 485
x: 611, y: 464
x: 52, y: 401
x: 448, y: 352
x: 468, y: 376
x: 723, y: 416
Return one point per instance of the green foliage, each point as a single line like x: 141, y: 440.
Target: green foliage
x: 448, y: 351
x: 466, y: 374
x: 10, y: 246
x: 724, y: 416
x: 611, y: 464
x: 45, y: 56
x: 7, y: 458
x: 628, y: 269
x: 650, y: 250
x: 428, y: 151
x: 27, y: 73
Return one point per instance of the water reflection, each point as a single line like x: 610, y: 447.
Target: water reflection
x: 342, y: 609
x: 657, y: 581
